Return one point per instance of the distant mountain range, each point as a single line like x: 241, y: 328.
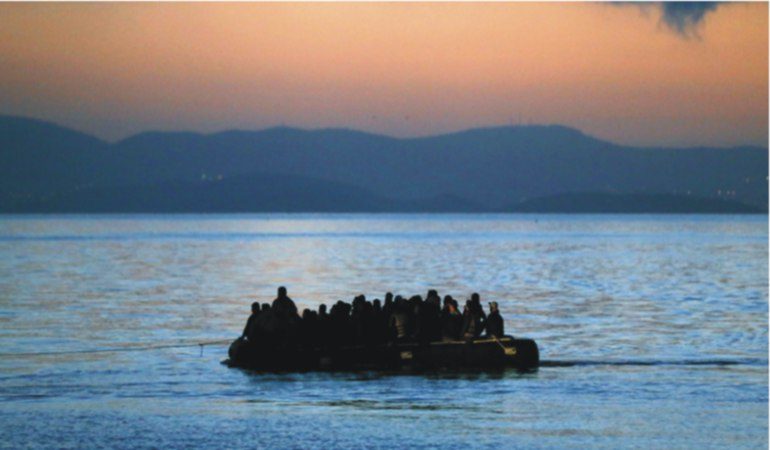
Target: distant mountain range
x: 48, y: 168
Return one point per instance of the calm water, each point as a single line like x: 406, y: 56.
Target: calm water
x: 653, y: 330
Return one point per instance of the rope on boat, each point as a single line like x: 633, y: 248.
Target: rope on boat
x: 201, y: 344
x: 138, y: 348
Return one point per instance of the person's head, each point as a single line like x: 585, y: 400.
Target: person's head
x: 255, y: 308
x: 282, y: 291
x: 389, y: 297
x: 432, y: 293
x: 493, y: 307
x: 475, y: 298
x: 322, y: 309
x: 265, y: 307
x: 447, y: 300
x: 451, y: 307
x: 305, y: 314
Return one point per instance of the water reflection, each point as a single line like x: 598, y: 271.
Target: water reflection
x: 632, y: 313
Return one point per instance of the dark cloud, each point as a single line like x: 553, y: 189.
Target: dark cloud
x: 685, y: 17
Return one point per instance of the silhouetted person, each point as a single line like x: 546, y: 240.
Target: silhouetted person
x: 340, y: 325
x: 322, y: 311
x: 323, y: 327
x: 473, y: 318
x: 281, y: 322
x: 431, y: 317
x: 447, y: 301
x: 250, y: 329
x: 309, y: 329
x: 387, y: 309
x: 416, y: 326
x: 495, y: 324
x: 399, y: 320
x: 284, y: 306
x: 268, y: 326
x: 379, y: 323
x: 451, y: 321
x: 359, y: 320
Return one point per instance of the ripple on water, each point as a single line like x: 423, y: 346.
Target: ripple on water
x: 653, y: 330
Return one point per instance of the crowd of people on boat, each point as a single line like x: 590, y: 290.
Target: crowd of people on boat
x: 370, y: 323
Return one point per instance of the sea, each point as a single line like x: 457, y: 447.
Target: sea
x: 652, y: 329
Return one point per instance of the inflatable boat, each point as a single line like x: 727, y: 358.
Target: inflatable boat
x: 481, y: 353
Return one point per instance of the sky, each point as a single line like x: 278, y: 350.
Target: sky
x: 668, y: 75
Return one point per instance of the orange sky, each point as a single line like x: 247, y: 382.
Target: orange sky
x: 403, y: 69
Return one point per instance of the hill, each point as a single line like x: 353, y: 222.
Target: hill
x: 481, y: 169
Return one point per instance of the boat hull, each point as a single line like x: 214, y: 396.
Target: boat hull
x: 479, y: 353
